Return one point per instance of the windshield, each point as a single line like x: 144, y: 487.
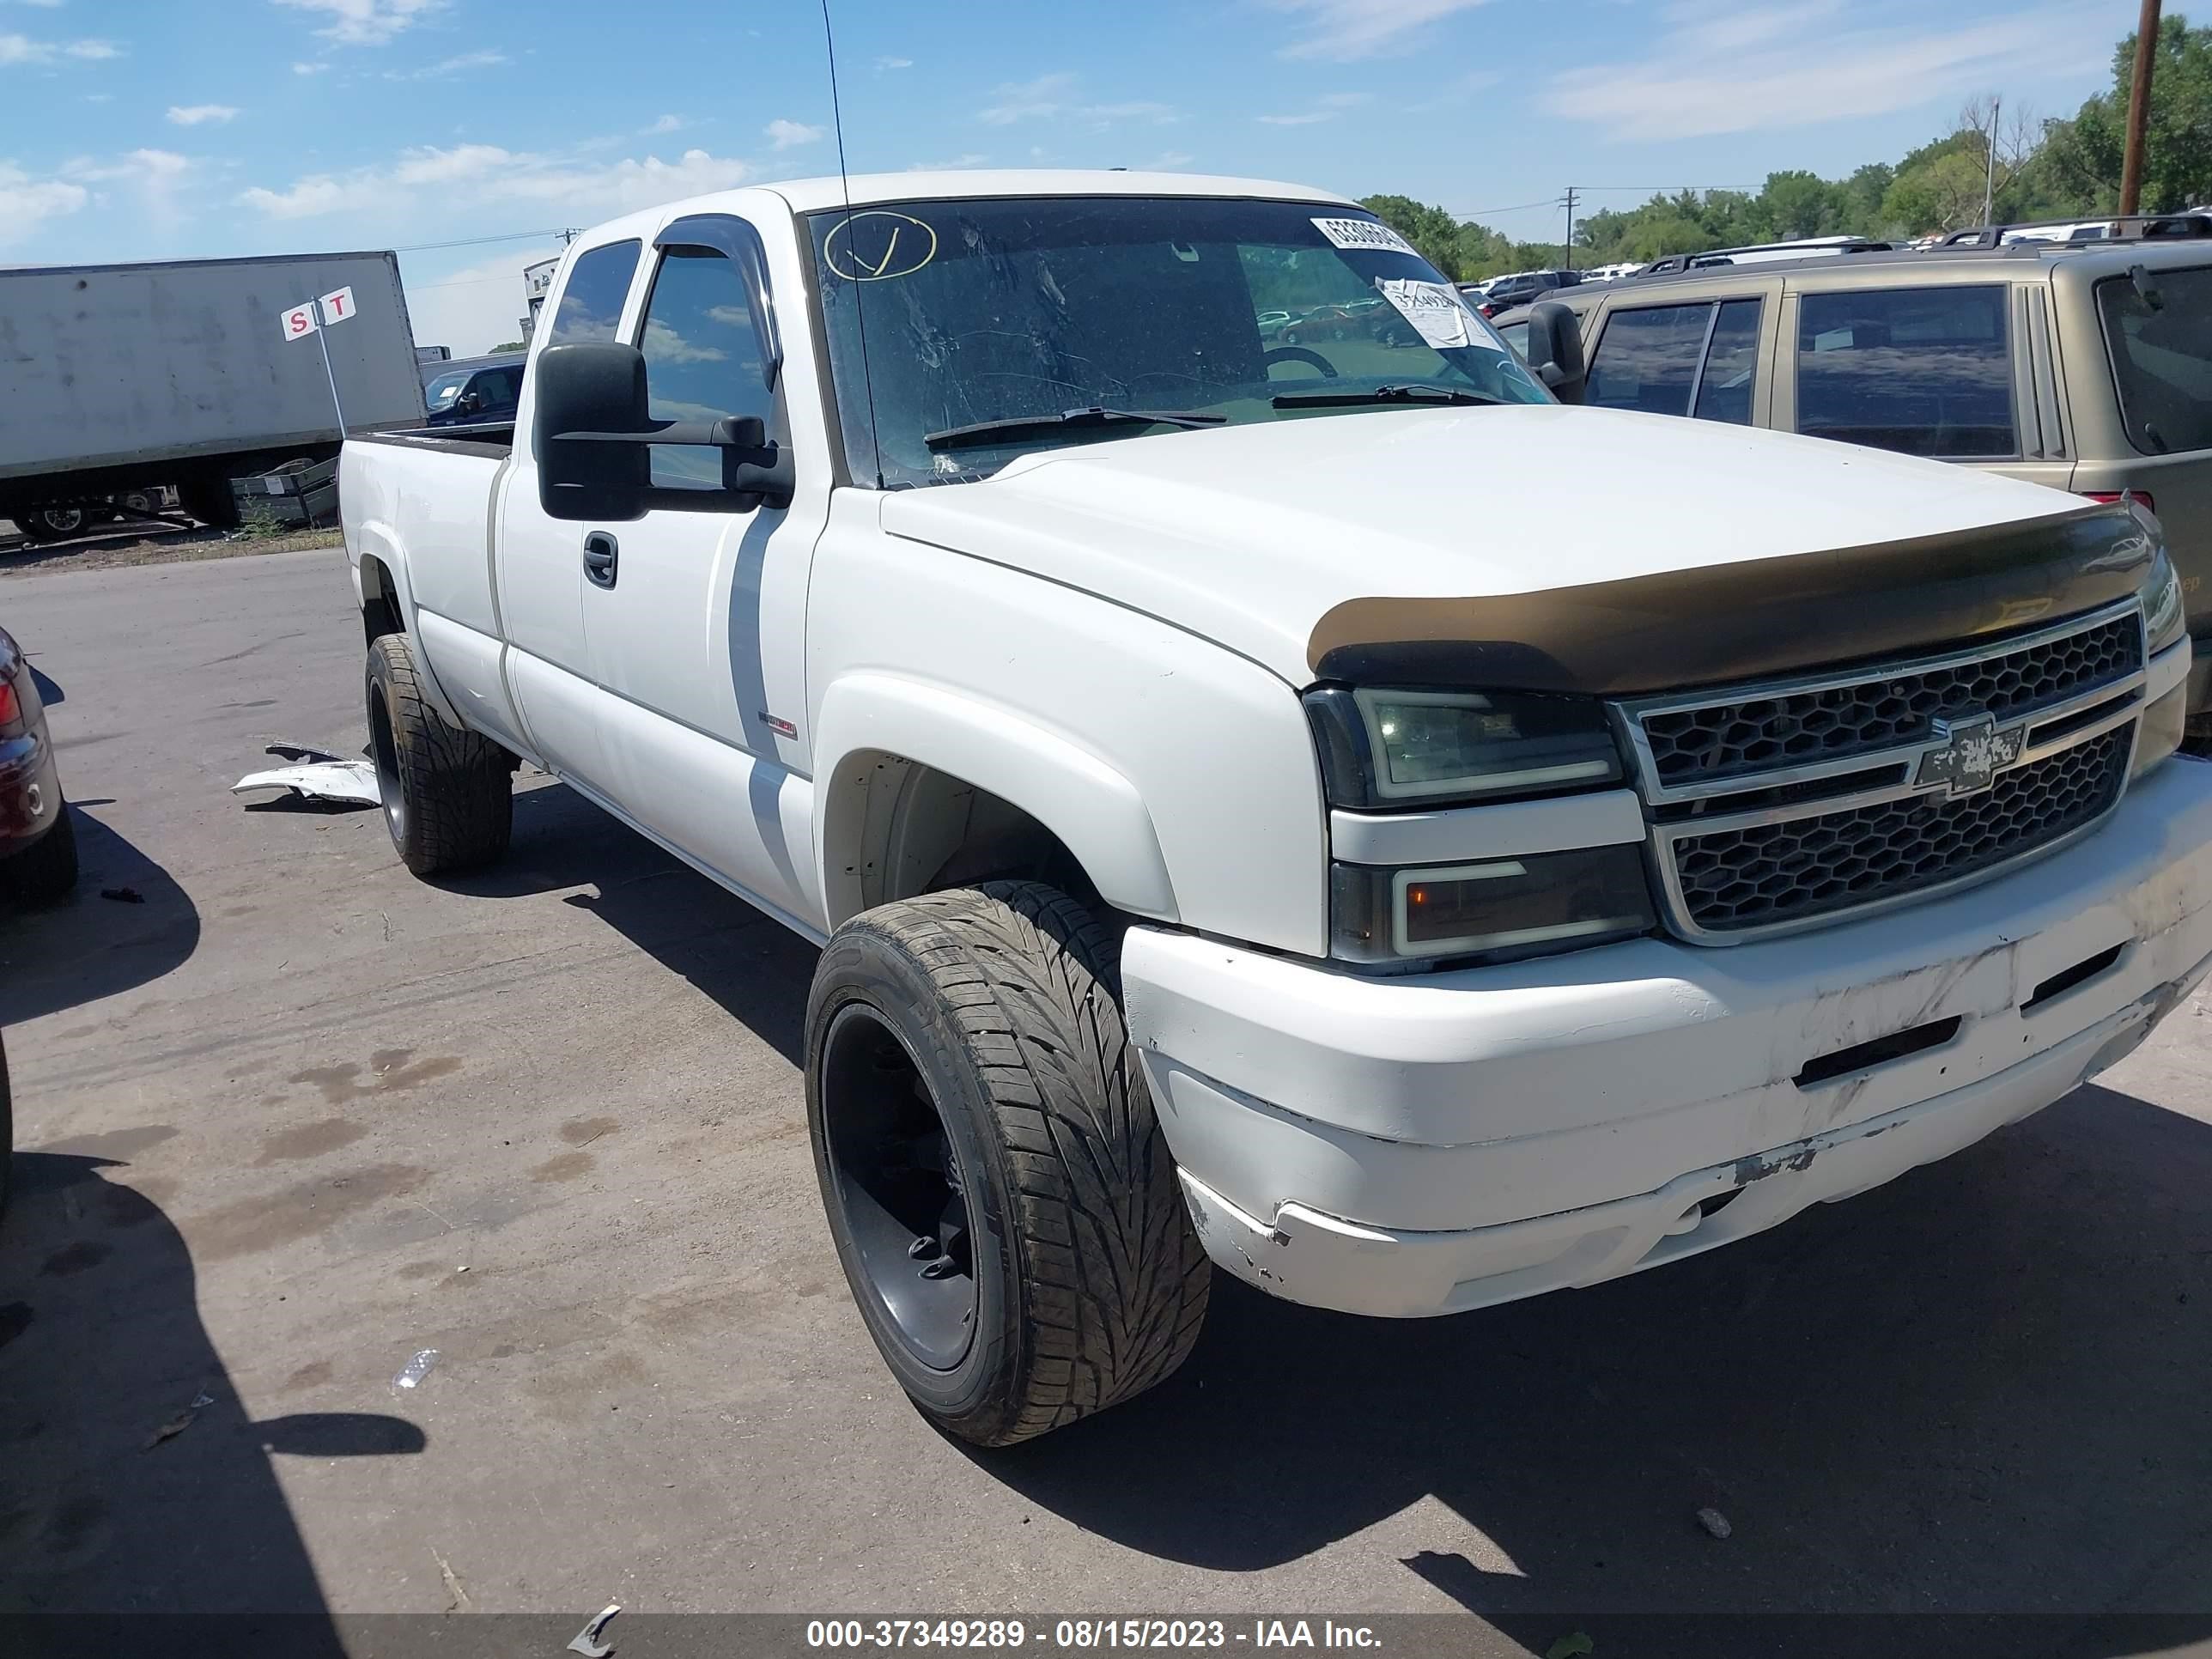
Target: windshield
x: 2162, y: 357
x: 1021, y: 310
x: 442, y: 391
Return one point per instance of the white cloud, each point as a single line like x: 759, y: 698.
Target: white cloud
x: 474, y: 308
x: 366, y: 22
x: 1797, y: 64
x: 27, y: 203
x: 21, y: 49
x: 449, y: 66
x: 788, y: 135
x: 50, y: 5
x: 193, y: 115
x: 951, y: 164
x: 1053, y: 95
x: 888, y: 63
x: 667, y: 124
x: 1347, y: 29
x: 1023, y: 100
x: 309, y: 68
x: 470, y: 176
x: 1305, y: 120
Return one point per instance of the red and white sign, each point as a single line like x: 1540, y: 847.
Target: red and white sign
x: 337, y: 307
x: 299, y: 322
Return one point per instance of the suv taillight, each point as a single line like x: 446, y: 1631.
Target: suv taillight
x: 2111, y: 496
x: 11, y: 708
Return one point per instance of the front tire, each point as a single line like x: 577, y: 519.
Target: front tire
x: 448, y: 794
x: 46, y: 872
x: 1002, y: 1200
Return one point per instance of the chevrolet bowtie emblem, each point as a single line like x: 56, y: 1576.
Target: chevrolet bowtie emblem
x: 1973, y: 751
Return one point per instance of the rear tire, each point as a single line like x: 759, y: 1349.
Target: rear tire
x: 46, y: 872
x: 1002, y: 1200
x: 448, y: 794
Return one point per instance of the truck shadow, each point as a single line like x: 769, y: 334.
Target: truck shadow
x: 756, y: 970
x: 88, y: 947
x: 1977, y: 1389
x: 122, y: 1495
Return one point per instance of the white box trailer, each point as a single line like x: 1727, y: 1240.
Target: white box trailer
x: 118, y: 378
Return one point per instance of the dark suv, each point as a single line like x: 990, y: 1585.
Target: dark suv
x: 2085, y: 365
x: 1524, y: 288
x: 477, y: 391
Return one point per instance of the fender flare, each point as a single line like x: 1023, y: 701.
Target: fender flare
x: 1094, y: 809
x: 375, y: 539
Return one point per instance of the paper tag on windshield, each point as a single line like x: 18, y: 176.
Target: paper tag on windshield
x: 1434, y: 309
x: 1363, y: 235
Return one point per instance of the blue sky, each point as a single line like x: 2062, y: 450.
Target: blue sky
x: 168, y: 129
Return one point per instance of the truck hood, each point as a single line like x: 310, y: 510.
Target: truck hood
x: 1537, y: 547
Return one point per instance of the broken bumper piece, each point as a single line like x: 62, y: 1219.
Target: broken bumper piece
x: 1427, y: 1146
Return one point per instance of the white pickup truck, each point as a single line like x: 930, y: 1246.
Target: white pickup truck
x: 1327, y: 808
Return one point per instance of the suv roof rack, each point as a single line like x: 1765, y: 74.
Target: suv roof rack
x: 1810, y: 246
x: 2113, y: 227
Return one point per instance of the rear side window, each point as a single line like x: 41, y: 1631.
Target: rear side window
x: 592, y: 303
x: 1680, y: 360
x: 2163, y: 358
x: 1647, y: 360
x: 702, y: 359
x: 1922, y: 371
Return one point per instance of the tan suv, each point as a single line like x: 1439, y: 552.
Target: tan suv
x: 2086, y: 365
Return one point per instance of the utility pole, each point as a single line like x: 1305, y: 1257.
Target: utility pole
x: 2139, y: 107
x: 1990, y: 154
x: 1567, y: 253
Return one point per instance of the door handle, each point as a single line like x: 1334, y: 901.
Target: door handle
x: 601, y: 553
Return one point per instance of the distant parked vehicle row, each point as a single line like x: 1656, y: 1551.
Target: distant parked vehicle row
x: 2086, y: 365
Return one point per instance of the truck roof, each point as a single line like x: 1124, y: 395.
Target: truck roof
x: 812, y: 195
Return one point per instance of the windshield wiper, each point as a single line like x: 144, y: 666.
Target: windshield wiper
x: 1381, y: 394
x: 1014, y: 425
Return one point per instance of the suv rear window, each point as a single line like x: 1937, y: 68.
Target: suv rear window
x: 2163, y: 358
x: 1922, y: 371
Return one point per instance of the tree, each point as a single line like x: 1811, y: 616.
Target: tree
x: 512, y: 345
x: 1431, y: 230
x: 2085, y: 153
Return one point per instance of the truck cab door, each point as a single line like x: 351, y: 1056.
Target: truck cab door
x: 537, y: 559
x: 695, y: 616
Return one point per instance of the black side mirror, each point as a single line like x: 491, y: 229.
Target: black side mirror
x: 1555, y: 350
x: 595, y: 387
x: 593, y: 434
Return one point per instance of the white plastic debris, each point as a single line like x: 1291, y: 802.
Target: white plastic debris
x: 412, y: 1373
x: 315, y: 775
x: 586, y: 1640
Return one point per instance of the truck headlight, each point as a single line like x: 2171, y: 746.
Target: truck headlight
x: 2166, y: 721
x: 1384, y: 748
x: 1495, y: 908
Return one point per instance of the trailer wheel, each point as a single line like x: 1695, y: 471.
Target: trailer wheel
x: 448, y: 794
x: 1000, y: 1196
x: 45, y: 872
x: 51, y: 524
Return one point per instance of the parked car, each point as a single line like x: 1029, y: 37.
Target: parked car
x: 1523, y: 288
x: 2087, y: 368
x: 1240, y: 826
x: 1612, y: 273
x: 473, y: 391
x: 38, y: 843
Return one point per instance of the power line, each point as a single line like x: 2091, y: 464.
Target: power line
x: 479, y: 241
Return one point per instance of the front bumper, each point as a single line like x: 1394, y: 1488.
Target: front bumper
x: 1424, y: 1145
x: 30, y: 791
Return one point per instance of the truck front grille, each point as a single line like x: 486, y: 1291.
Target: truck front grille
x: 1813, y: 866
x: 1729, y: 739
x: 1793, y: 803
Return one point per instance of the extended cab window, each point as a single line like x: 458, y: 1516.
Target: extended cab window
x: 702, y: 359
x: 591, y: 305
x: 2162, y: 357
x: 1680, y: 360
x: 1922, y: 371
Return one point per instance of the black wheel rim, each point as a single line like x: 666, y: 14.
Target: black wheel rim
x: 64, y: 520
x: 386, y: 754
x: 898, y: 1187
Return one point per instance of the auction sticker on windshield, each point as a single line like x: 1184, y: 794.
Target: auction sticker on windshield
x: 1363, y: 235
x: 1435, y: 311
